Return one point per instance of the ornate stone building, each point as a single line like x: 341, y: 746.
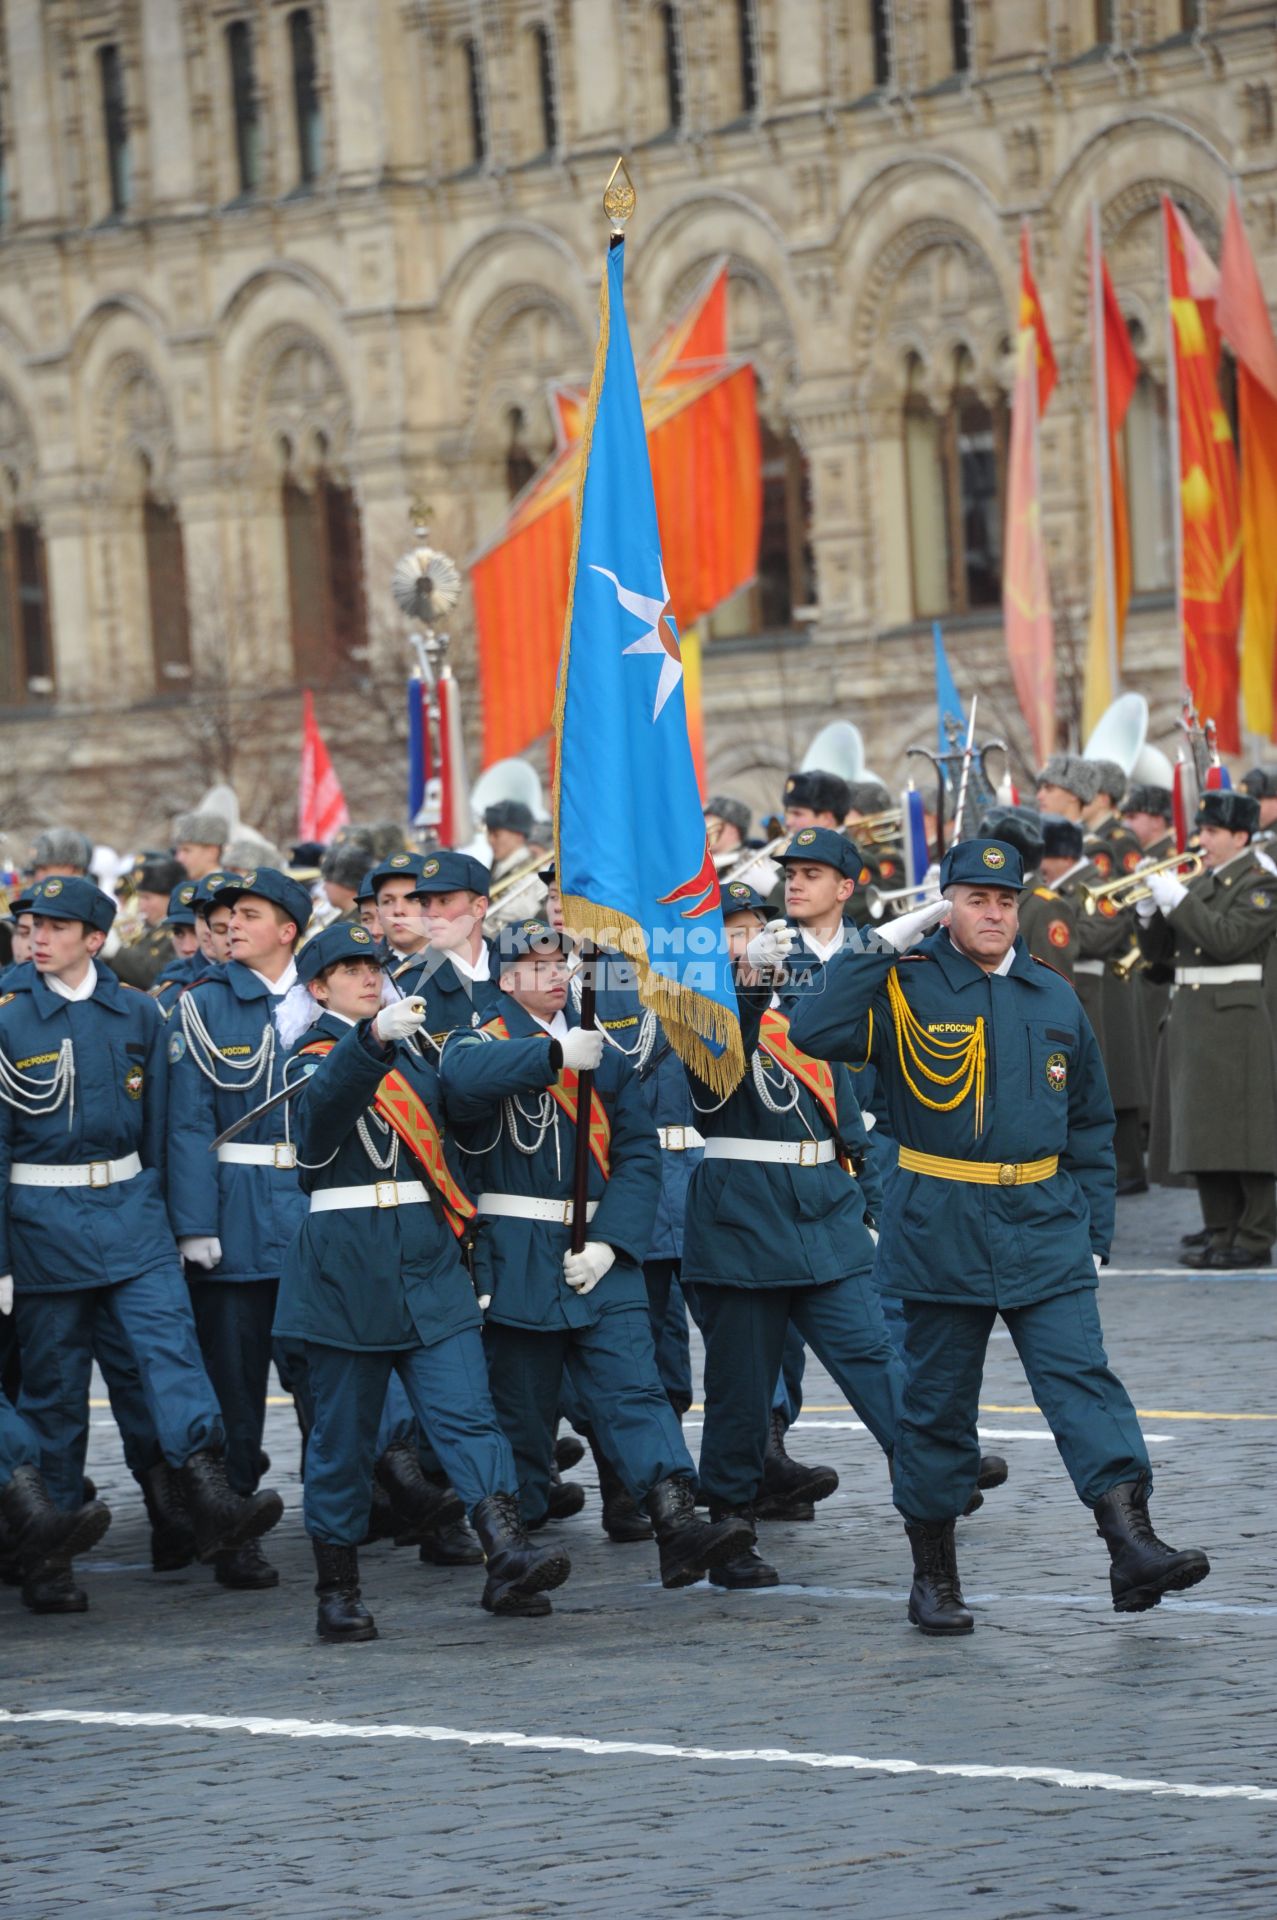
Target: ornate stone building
x: 269, y: 271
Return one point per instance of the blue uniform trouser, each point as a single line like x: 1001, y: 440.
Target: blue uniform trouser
x: 398, y: 1421
x: 234, y: 1319
x: 787, y: 1398
x: 152, y: 1314
x: 669, y: 1331
x: 10, y: 1365
x: 611, y: 1369
x: 447, y: 1388
x: 1062, y: 1351
x: 18, y: 1445
x: 745, y: 1329
x: 132, y: 1416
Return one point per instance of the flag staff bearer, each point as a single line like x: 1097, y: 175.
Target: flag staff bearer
x: 1003, y: 1205
x: 84, y: 1233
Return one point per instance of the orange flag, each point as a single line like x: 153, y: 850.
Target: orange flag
x: 1244, y: 321
x: 1115, y: 372
x: 1026, y: 593
x: 1210, y: 576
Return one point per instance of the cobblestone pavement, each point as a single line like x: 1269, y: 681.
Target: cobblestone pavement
x: 367, y: 1818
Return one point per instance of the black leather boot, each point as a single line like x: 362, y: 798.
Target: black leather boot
x: 789, y: 1488
x: 172, y: 1537
x: 692, y: 1547
x: 566, y: 1497
x: 38, y: 1532
x: 569, y: 1451
x: 517, y: 1571
x: 624, y: 1521
x: 417, y: 1503
x: 220, y: 1518
x: 1144, y: 1567
x: 246, y: 1570
x: 51, y: 1588
x: 746, y: 1567
x: 454, y: 1545
x: 992, y: 1472
x: 935, y: 1599
x: 342, y: 1614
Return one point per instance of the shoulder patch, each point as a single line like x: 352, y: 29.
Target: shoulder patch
x: 1132, y: 859
x: 1045, y: 893
x: 1057, y: 933
x: 1260, y: 897
x: 1102, y: 862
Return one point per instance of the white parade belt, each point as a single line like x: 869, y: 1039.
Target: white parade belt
x: 280, y: 1153
x: 93, y: 1173
x: 679, y: 1139
x: 1217, y: 976
x: 787, y: 1153
x: 1088, y: 966
x: 382, y: 1193
x: 522, y: 1206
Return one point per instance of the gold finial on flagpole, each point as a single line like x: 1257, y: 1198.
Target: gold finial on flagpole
x: 619, y: 197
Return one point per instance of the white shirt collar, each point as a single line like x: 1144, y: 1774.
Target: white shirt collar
x: 287, y: 979
x: 83, y: 992
x: 557, y: 1028
x: 473, y: 969
x: 823, y: 950
x: 1004, y: 965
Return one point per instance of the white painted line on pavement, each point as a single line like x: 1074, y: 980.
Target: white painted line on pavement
x: 257, y: 1724
x: 1094, y: 1601
x: 804, y: 1425
x: 1186, y: 1273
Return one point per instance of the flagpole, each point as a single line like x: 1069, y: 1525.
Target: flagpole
x: 1104, y: 473
x: 1177, y: 503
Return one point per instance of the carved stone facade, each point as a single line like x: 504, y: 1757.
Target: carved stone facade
x: 271, y: 271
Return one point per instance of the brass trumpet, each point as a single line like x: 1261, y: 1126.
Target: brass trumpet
x: 873, y: 828
x: 1130, y: 887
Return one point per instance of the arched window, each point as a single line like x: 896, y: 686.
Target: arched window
x: 325, y: 571
x: 475, y: 102
x: 1105, y: 22
x: 747, y: 40
x: 519, y: 462
x: 960, y: 34
x: 786, y: 569
x: 880, y: 40
x: 306, y: 108
x: 925, y: 488
x: 543, y: 54
x: 248, y: 133
x: 166, y: 594
x: 672, y: 51
x: 26, y: 645
x: 1146, y: 454
x: 955, y: 478
x: 115, y: 129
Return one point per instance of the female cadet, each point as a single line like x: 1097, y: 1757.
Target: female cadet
x: 374, y: 1285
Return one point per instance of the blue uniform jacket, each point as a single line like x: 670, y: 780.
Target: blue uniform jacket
x: 806, y: 974
x: 625, y: 1021
x: 520, y: 1262
x: 367, y: 1279
x: 451, y: 999
x: 253, y: 1210
x: 1046, y: 1094
x: 58, y: 1237
x: 764, y: 1224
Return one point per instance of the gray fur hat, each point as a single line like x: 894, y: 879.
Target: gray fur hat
x: 869, y: 796
x: 62, y: 847
x: 198, y: 829
x: 1112, y: 779
x: 734, y: 813
x: 1077, y: 776
x: 346, y: 865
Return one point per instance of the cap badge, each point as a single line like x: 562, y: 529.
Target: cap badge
x: 994, y: 857
x: 50, y: 890
x: 360, y: 936
x: 805, y: 838
x: 430, y: 869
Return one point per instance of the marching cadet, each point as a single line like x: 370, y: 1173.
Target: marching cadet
x: 198, y: 840
x: 341, y: 872
x: 403, y: 922
x: 84, y: 1233
x: 366, y: 903
x: 455, y: 975
x: 38, y: 1540
x: 235, y: 1214
x: 384, y: 1208
x: 20, y: 951
x: 186, y: 964
x: 1218, y: 1041
x: 1066, y: 869
x: 512, y: 1089
x: 140, y: 962
x: 1003, y: 1205
x: 775, y: 1236
x: 815, y: 799
x: 212, y: 923
x: 1048, y: 922
x: 515, y: 878
x: 1114, y: 850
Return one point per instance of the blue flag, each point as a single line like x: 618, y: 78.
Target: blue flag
x: 951, y: 721
x: 635, y: 870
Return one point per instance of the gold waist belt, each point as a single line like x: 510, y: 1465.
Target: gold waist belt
x: 980, y: 1173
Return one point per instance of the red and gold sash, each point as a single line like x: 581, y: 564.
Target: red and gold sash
x: 564, y: 1091
x: 816, y: 1075
x: 402, y: 1107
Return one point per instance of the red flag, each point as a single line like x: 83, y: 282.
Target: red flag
x: 321, y: 806
x: 1031, y: 315
x: 1210, y: 582
x: 1026, y: 594
x: 1244, y: 320
x: 1116, y: 371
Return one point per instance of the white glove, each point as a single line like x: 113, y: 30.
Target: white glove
x: 872, y: 1232
x: 1145, y: 911
x: 400, y: 1020
x: 582, y: 1049
x: 6, y: 1293
x: 1099, y: 1260
x: 908, y: 928
x: 772, y: 947
x: 201, y: 1250
x: 584, y: 1270
x: 1166, y: 890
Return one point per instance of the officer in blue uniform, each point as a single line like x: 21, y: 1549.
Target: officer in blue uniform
x: 38, y: 1541
x: 235, y: 1213
x: 374, y: 1285
x: 550, y: 1309
x: 453, y: 972
x: 1003, y: 1204
x: 776, y: 1235
x: 85, y: 1235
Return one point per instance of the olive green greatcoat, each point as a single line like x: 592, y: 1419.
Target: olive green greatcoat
x: 1048, y: 927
